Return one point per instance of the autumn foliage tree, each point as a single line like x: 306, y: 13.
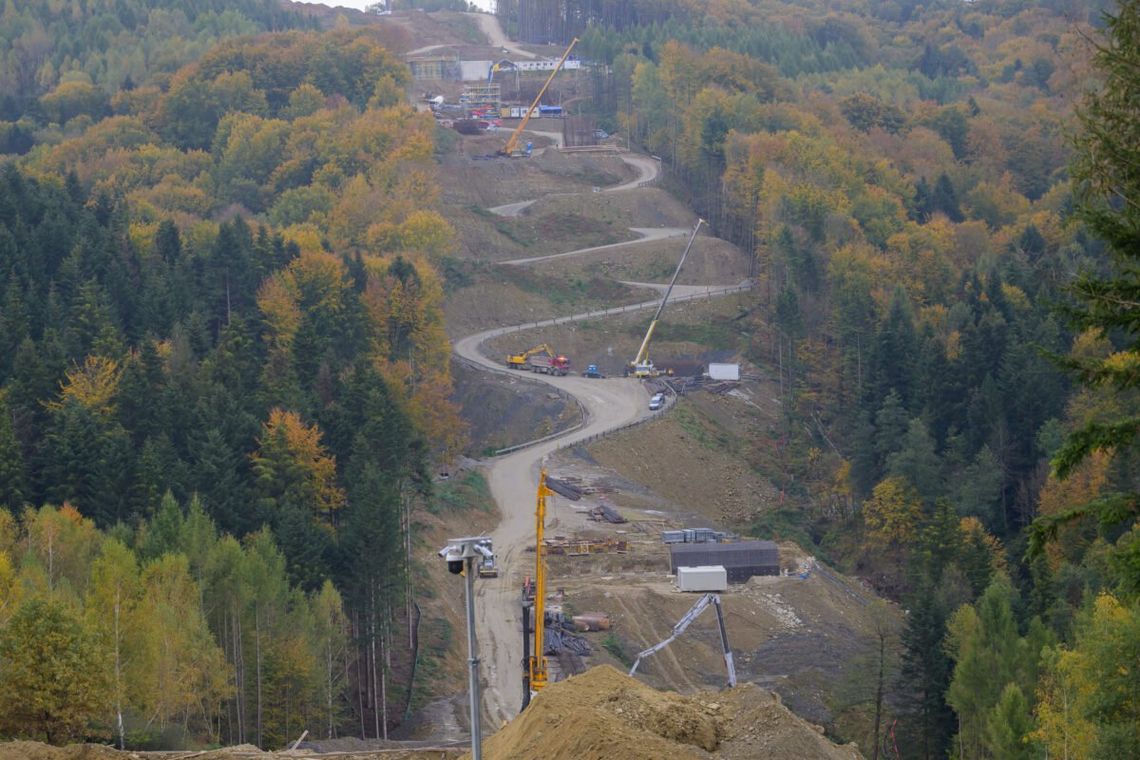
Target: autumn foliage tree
x: 53, y: 686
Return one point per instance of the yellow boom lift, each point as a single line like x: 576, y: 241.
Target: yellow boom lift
x: 508, y: 150
x: 641, y: 366
x: 534, y: 679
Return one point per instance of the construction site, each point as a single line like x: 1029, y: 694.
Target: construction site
x: 626, y: 451
x: 584, y: 293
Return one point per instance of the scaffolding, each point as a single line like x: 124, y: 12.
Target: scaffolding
x: 482, y: 95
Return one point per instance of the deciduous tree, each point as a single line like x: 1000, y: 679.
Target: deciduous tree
x: 54, y: 683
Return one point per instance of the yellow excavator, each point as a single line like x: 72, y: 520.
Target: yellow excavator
x: 641, y: 366
x: 508, y: 150
x: 535, y: 673
x: 518, y: 361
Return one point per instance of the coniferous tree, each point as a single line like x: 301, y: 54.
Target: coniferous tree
x: 926, y: 674
x: 13, y: 475
x: 1108, y: 151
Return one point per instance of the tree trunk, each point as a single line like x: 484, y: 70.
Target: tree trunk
x: 239, y: 676
x: 384, y: 687
x: 257, y: 650
x: 119, y: 673
x: 372, y: 647
x: 879, y: 695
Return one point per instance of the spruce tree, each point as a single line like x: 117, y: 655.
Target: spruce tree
x: 1107, y: 171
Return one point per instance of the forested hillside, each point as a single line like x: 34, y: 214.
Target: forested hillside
x: 900, y: 174
x: 63, y: 60
x: 223, y: 376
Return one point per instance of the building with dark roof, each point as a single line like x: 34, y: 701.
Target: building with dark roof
x: 741, y: 560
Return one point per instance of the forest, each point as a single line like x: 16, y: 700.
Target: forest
x: 224, y: 377
x: 223, y: 366
x: 929, y: 258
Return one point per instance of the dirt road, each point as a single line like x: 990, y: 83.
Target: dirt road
x: 648, y: 234
x: 606, y: 404
x: 490, y: 27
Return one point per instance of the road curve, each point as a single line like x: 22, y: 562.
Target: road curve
x: 646, y: 234
x: 647, y: 170
x: 513, y: 479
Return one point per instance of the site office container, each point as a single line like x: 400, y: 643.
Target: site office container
x: 704, y: 578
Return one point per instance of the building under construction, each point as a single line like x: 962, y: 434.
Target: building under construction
x: 741, y: 560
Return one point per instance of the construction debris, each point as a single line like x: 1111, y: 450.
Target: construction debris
x: 605, y: 513
x: 592, y: 621
x: 579, y: 547
x: 557, y: 641
x: 562, y: 488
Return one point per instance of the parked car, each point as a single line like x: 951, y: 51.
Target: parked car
x: 656, y: 402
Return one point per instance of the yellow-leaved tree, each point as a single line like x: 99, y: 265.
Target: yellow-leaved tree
x: 175, y: 671
x: 292, y: 467
x: 93, y: 384
x: 404, y: 300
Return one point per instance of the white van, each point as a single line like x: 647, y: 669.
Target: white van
x: 656, y: 402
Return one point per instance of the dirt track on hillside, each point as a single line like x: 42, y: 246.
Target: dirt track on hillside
x: 606, y: 404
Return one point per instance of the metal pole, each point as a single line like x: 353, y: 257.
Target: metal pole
x: 473, y: 662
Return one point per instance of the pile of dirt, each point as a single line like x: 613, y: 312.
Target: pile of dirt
x: 36, y: 751
x: 23, y: 750
x: 603, y: 713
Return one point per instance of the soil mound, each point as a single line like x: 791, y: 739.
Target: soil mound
x: 603, y: 713
x: 21, y: 750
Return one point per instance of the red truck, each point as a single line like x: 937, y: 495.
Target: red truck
x: 550, y: 365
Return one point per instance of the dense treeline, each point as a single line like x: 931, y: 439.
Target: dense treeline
x: 61, y: 61
x: 900, y: 174
x: 223, y: 370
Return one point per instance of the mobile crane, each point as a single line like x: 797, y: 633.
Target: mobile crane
x: 508, y: 150
x: 641, y: 366
x: 535, y: 674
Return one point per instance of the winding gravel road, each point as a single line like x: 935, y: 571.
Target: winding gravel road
x: 606, y: 404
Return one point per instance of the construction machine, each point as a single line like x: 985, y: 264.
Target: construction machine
x: 488, y: 566
x: 641, y: 366
x: 535, y: 672
x: 519, y: 361
x: 508, y: 150
x: 683, y: 623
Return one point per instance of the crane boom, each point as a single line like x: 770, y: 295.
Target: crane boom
x: 684, y: 623
x: 536, y: 666
x: 508, y: 150
x: 641, y: 365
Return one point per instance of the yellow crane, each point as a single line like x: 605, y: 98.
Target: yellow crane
x: 641, y: 366
x: 508, y: 150
x: 536, y: 675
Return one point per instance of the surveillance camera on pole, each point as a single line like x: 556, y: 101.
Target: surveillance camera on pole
x: 460, y: 554
x: 462, y: 549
